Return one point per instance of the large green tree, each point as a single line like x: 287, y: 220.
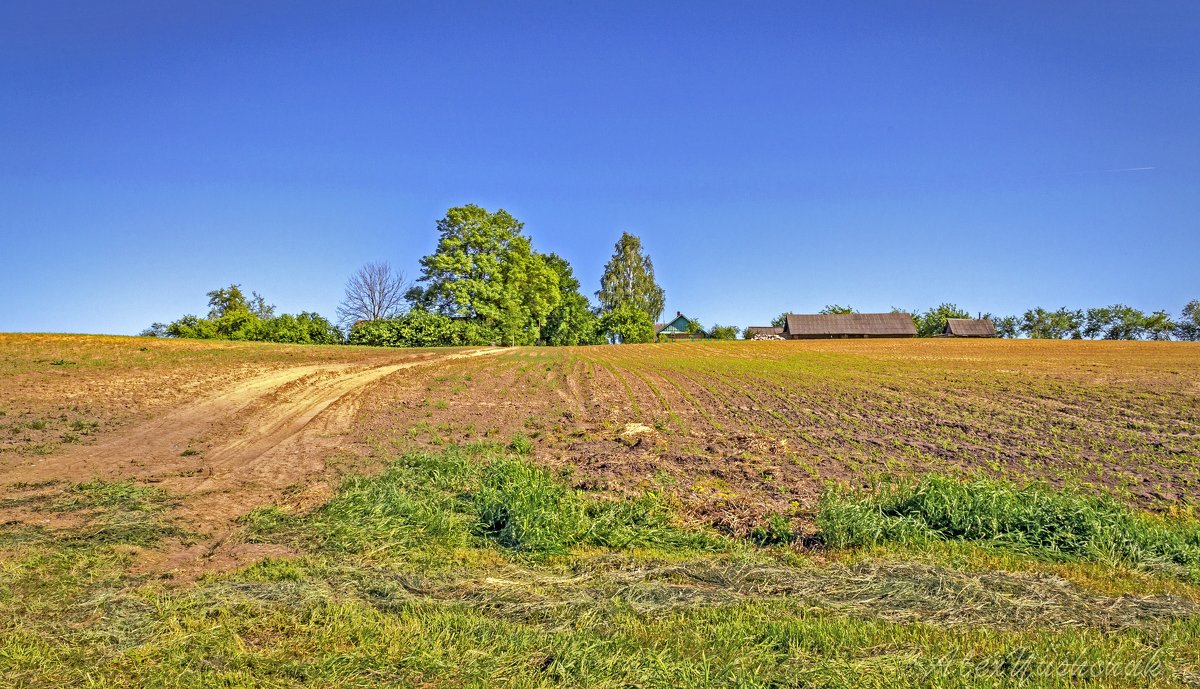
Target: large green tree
x: 723, y: 332
x: 628, y: 280
x: 628, y: 324
x: 1158, y: 326
x: 485, y: 269
x: 1115, y: 322
x: 1040, y: 324
x: 572, y: 321
x: 230, y: 300
x: 1188, y: 326
x: 933, y: 321
x: 1006, y: 326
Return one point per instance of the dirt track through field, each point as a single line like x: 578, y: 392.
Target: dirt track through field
x: 234, y: 451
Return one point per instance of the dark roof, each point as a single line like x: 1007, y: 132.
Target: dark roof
x: 659, y: 326
x: 851, y: 324
x: 970, y: 327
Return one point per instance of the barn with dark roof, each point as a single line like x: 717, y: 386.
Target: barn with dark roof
x: 848, y: 325
x: 969, y: 327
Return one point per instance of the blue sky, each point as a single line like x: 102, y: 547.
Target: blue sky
x: 771, y: 156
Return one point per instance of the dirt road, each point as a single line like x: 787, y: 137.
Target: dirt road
x: 231, y: 452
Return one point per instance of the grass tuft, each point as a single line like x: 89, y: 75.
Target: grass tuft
x: 776, y: 530
x: 521, y: 445
x: 1037, y: 519
x: 522, y: 508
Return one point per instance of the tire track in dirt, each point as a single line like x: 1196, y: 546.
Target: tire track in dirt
x: 234, y: 451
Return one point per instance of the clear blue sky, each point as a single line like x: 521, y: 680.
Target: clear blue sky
x: 771, y: 156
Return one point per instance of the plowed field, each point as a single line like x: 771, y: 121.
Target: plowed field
x: 735, y: 430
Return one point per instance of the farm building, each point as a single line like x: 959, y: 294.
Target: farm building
x: 764, y: 332
x: 969, y: 327
x: 677, y: 329
x: 819, y: 326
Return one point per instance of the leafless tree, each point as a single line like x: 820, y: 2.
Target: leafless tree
x: 374, y: 292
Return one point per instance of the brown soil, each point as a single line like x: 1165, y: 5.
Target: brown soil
x: 733, y: 431
x: 227, y: 453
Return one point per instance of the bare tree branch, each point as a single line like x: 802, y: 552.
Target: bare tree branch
x: 373, y: 293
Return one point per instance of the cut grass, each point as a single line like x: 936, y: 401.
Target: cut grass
x: 1032, y: 518
x: 472, y: 567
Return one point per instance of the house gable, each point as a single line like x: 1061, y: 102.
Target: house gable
x: 678, y: 326
x: 677, y: 329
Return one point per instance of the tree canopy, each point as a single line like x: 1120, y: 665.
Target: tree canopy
x: 836, y: 308
x: 232, y: 316
x: 628, y: 324
x: 572, y: 321
x: 1040, y: 324
x: 485, y: 269
x: 723, y: 332
x: 933, y: 321
x: 1188, y: 327
x: 628, y: 280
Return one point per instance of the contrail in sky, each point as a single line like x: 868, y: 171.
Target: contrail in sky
x: 1128, y: 169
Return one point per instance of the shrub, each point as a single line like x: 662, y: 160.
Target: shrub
x: 419, y: 328
x: 723, y: 332
x: 233, y: 317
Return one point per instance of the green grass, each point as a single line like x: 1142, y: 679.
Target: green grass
x: 776, y: 530
x: 1033, y: 518
x: 473, y: 567
x: 474, y: 495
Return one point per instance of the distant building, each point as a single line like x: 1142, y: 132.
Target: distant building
x: 832, y: 326
x: 969, y: 327
x: 678, y: 330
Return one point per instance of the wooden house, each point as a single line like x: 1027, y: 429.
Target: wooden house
x: 825, y: 326
x: 677, y: 330
x: 969, y: 327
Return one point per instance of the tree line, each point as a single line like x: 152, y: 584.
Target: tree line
x: 1115, y: 322
x: 233, y: 316
x: 486, y: 284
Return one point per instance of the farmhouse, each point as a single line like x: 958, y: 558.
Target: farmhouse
x: 824, y: 326
x: 677, y: 329
x: 969, y: 327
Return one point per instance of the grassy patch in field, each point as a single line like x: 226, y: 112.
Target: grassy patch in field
x: 474, y: 495
x: 1031, y: 518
